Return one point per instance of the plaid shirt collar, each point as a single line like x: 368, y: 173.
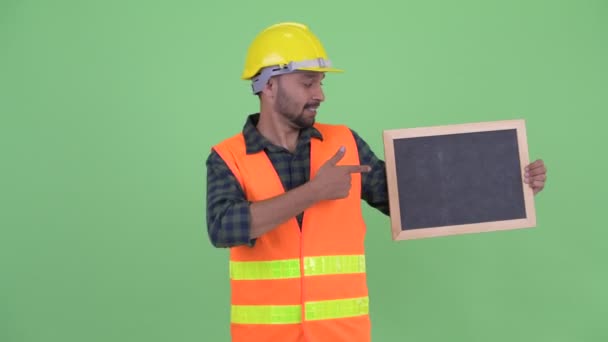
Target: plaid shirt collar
x: 256, y: 142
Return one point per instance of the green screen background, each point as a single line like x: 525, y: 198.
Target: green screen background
x: 109, y: 109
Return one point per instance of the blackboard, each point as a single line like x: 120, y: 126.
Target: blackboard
x: 458, y: 179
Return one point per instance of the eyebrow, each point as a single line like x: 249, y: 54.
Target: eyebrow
x: 312, y: 76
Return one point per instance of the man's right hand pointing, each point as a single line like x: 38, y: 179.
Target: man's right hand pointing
x: 334, y: 181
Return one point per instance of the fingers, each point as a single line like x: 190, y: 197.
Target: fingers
x: 535, y: 165
x: 535, y: 175
x: 356, y: 168
x: 536, y: 183
x: 348, y: 168
x: 537, y: 186
x: 537, y: 171
x: 531, y: 178
x: 337, y: 157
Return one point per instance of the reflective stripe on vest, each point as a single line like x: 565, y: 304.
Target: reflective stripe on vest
x: 290, y: 268
x: 291, y: 314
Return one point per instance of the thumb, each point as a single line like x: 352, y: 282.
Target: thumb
x: 338, y: 156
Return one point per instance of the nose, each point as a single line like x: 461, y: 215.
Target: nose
x: 318, y: 94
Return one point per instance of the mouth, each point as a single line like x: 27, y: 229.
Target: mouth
x: 312, y: 107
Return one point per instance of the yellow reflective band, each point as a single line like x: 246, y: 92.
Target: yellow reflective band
x: 254, y: 270
x: 266, y: 314
x: 291, y: 314
x: 334, y: 264
x: 340, y: 308
x: 290, y: 268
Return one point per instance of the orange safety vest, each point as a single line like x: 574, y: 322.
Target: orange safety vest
x: 300, y: 285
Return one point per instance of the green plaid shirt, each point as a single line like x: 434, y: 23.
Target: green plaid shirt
x: 227, y: 207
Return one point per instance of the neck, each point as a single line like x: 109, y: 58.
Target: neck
x: 277, y: 130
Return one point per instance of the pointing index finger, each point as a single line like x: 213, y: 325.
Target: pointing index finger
x: 356, y: 168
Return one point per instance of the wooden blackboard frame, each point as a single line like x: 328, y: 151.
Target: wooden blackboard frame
x: 398, y: 233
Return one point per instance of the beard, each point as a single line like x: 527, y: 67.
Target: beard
x: 293, y: 112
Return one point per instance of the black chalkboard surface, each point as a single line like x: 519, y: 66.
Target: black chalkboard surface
x: 457, y: 179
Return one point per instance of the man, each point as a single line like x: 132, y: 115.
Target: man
x: 284, y: 195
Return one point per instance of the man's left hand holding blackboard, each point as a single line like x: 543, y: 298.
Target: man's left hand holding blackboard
x: 536, y: 175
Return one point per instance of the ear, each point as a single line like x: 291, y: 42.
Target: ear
x: 270, y: 88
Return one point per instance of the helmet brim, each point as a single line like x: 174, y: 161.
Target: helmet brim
x: 247, y: 76
x: 321, y: 69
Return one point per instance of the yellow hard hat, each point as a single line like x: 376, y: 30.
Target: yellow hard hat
x: 282, y: 48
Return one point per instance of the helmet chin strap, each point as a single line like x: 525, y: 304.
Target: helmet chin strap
x: 259, y: 81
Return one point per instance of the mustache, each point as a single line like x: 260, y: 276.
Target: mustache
x: 313, y: 104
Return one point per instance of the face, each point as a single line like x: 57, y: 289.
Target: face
x: 298, y: 96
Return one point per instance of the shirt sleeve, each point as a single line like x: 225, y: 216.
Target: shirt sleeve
x: 228, y: 216
x: 374, y: 188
